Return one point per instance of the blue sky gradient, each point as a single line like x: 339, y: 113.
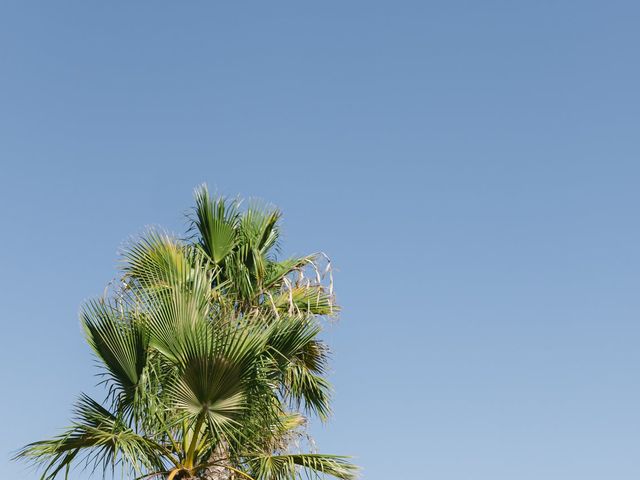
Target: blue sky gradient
x: 472, y: 168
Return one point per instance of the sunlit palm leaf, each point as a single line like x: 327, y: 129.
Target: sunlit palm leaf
x: 155, y: 260
x: 259, y: 227
x: 216, y: 371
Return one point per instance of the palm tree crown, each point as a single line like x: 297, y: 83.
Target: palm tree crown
x: 210, y: 357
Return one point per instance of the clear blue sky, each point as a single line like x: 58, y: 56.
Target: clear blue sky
x: 473, y: 169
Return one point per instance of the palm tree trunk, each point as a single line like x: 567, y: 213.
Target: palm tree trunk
x: 220, y: 460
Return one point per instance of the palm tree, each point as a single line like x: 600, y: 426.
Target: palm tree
x: 210, y: 357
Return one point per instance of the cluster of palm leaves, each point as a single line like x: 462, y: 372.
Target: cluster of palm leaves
x: 210, y: 356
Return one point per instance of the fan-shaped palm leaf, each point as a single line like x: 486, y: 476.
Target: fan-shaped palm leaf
x: 216, y: 221
x: 121, y: 343
x: 287, y: 467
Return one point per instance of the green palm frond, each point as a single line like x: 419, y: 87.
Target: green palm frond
x: 288, y: 335
x: 176, y: 320
x: 216, y: 221
x: 259, y: 227
x: 312, y: 391
x: 239, y: 271
x: 215, y: 372
x: 121, y: 344
x: 291, y: 466
x: 302, y: 360
x: 176, y: 302
x: 100, y: 437
x: 155, y: 259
